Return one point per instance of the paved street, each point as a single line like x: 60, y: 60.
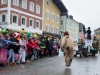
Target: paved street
x: 56, y: 66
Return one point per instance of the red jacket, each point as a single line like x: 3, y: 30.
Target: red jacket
x: 34, y: 44
x: 29, y: 47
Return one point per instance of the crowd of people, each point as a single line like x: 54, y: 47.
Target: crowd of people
x: 22, y: 47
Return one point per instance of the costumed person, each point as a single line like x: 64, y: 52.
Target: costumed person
x: 42, y: 45
x: 47, y: 46
x: 54, y: 48
x: 94, y: 38
x: 89, y: 39
x: 67, y: 45
x: 89, y: 34
x: 26, y: 41
x: 22, y: 31
x: 30, y: 49
x: 22, y: 50
x: 58, y: 45
x: 50, y: 46
x: 36, y: 47
x: 13, y: 49
x: 5, y: 42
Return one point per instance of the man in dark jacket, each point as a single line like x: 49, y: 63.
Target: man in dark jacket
x: 47, y: 46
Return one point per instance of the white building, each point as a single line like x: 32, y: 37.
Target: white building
x: 72, y: 27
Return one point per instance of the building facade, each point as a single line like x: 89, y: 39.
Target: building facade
x: 82, y: 30
x: 63, y: 23
x: 72, y: 27
x: 18, y: 14
x: 51, y: 19
x: 97, y: 33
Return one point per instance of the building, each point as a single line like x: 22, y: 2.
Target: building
x: 82, y: 30
x: 51, y: 19
x: 63, y: 23
x: 72, y: 26
x: 18, y: 14
x: 97, y: 33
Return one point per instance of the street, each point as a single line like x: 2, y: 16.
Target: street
x: 56, y: 66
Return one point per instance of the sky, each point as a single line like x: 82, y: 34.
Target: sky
x: 85, y: 11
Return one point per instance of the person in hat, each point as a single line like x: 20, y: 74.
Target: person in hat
x: 13, y: 49
x: 67, y: 45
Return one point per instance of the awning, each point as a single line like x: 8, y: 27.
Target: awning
x: 52, y: 34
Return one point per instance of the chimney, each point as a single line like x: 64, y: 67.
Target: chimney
x: 70, y: 16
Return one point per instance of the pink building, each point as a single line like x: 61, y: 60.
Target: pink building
x: 18, y: 14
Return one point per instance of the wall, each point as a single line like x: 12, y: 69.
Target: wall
x: 52, y: 8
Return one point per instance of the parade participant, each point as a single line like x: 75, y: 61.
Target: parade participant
x: 89, y: 34
x: 11, y: 52
x: 13, y: 49
x: 30, y: 49
x: 50, y: 46
x: 42, y: 45
x: 36, y: 48
x: 67, y: 45
x: 47, y: 46
x: 22, y: 50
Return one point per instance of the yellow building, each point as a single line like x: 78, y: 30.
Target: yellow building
x: 51, y: 16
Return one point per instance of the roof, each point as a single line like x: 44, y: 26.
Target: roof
x: 61, y: 6
x: 97, y: 29
x: 81, y: 26
x: 71, y: 17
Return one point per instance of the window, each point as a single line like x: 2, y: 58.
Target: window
x: 31, y: 7
x: 37, y: 25
x: 31, y: 23
x: 3, y: 18
x: 48, y: 2
x: 47, y: 28
x: 53, y: 17
x: 66, y: 22
x: 47, y: 15
x: 69, y: 23
x: 16, y: 2
x: 24, y: 4
x: 61, y: 22
x: 57, y: 31
x: 23, y: 21
x: 4, y: 1
x: 57, y: 19
x: 14, y: 19
x: 53, y: 30
x: 37, y: 9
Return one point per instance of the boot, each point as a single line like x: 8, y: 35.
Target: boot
x: 8, y: 64
x: 14, y: 64
x: 27, y: 61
